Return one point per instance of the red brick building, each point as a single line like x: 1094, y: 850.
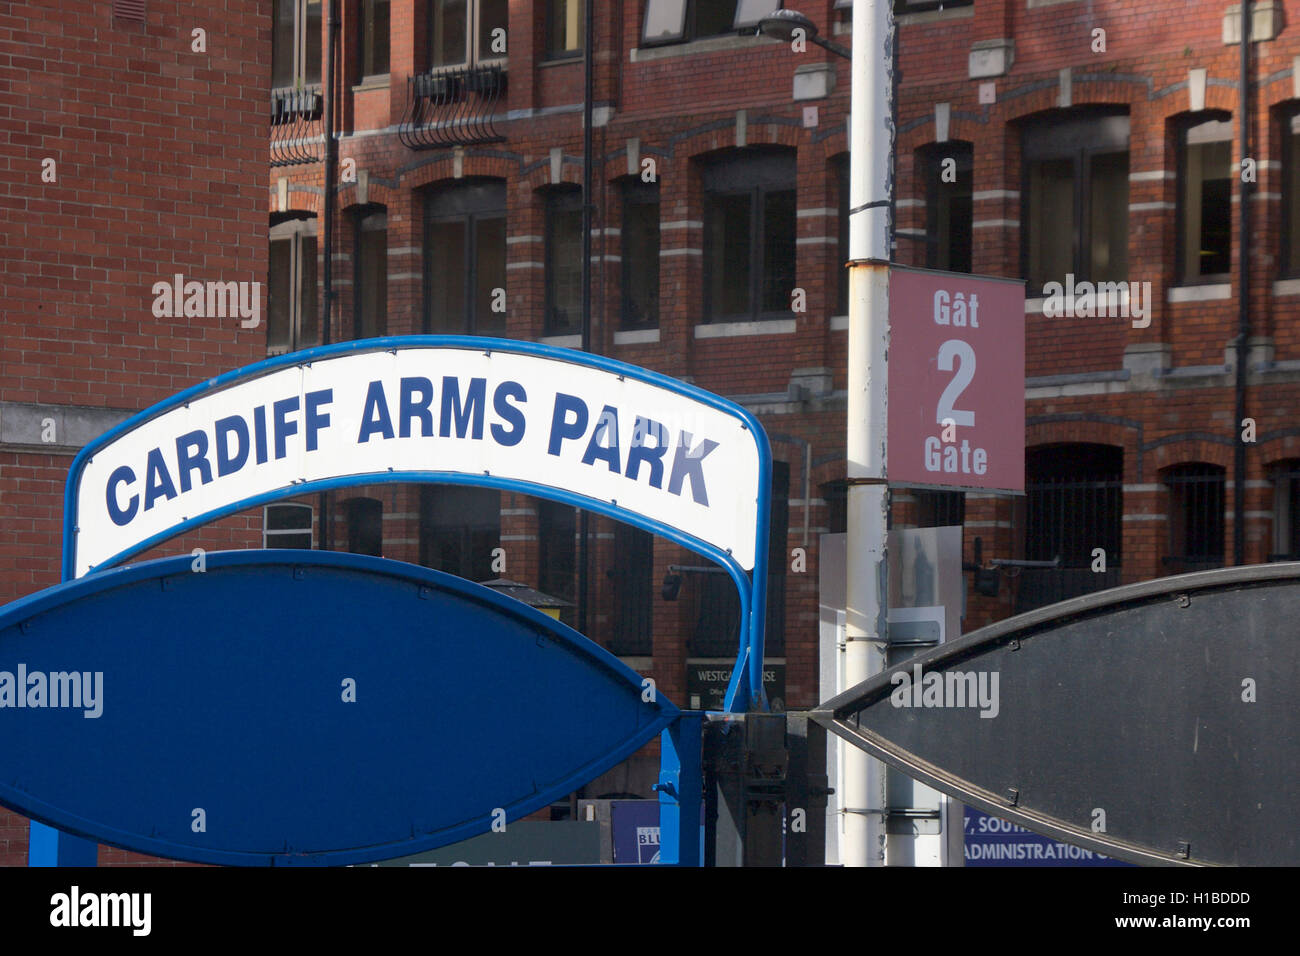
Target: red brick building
x: 718, y: 248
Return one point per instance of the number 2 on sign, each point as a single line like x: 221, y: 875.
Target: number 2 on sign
x: 965, y: 374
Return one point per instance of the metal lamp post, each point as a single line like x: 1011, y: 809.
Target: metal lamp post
x: 871, y: 147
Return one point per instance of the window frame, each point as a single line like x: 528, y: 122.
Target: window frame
x: 310, y: 529
x: 1183, y: 130
x: 756, y: 175
x: 473, y: 24
x: 1176, y: 479
x: 1077, y: 135
x: 550, y: 51
x: 688, y: 30
x: 471, y: 202
x: 361, y: 215
x: 634, y: 192
x: 557, y: 199
x: 365, y: 36
x: 300, y: 45
x: 294, y: 230
x: 932, y: 156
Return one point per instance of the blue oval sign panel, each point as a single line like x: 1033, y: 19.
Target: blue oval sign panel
x: 300, y: 707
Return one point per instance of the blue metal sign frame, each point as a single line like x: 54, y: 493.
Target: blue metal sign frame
x: 746, y: 686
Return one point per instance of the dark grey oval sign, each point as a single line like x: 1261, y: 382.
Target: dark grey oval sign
x: 1156, y: 723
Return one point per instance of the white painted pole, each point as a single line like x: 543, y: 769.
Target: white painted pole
x: 871, y: 147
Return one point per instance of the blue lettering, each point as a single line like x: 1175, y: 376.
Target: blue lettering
x: 508, y: 413
x: 607, y: 425
x: 652, y: 455
x: 259, y: 433
x: 157, y: 482
x: 561, y: 427
x: 475, y: 400
x: 121, y: 516
x: 688, y: 463
x: 409, y: 408
x: 375, y: 418
x: 228, y: 463
x: 283, y: 427
x: 313, y: 419
x: 191, y: 455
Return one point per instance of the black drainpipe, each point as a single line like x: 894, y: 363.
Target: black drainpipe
x: 327, y: 214
x: 1243, y: 304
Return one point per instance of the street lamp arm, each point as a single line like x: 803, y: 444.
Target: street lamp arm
x: 833, y: 47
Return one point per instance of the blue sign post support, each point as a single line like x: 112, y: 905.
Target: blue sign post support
x: 681, y: 791
x: 47, y: 846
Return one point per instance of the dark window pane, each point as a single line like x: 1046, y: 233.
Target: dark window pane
x: 948, y: 208
x: 365, y: 526
x: 448, y: 30
x: 493, y: 15
x: 446, y: 272
x: 459, y: 528
x: 311, y: 69
x: 1206, y: 200
x: 565, y: 27
x: 371, y: 281
x: 282, y: 43
x: 842, y: 273
x: 1108, y: 257
x: 490, y: 275
x: 309, y: 317
x: 730, y: 234
x: 279, y: 294
x: 640, y: 263
x: 288, y: 518
x: 1196, y: 526
x: 1051, y: 226
x: 374, y: 37
x: 556, y: 549
x: 714, y: 16
x: 633, y: 587
x: 1291, y: 143
x: 563, y: 265
x: 778, y: 249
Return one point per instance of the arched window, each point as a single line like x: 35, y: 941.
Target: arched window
x: 370, y: 272
x: 293, y: 315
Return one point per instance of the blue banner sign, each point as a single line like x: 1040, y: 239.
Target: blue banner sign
x: 300, y: 707
x: 992, y: 841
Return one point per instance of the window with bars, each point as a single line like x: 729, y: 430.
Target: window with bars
x: 1196, y: 523
x: 939, y: 509
x: 1074, y: 504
